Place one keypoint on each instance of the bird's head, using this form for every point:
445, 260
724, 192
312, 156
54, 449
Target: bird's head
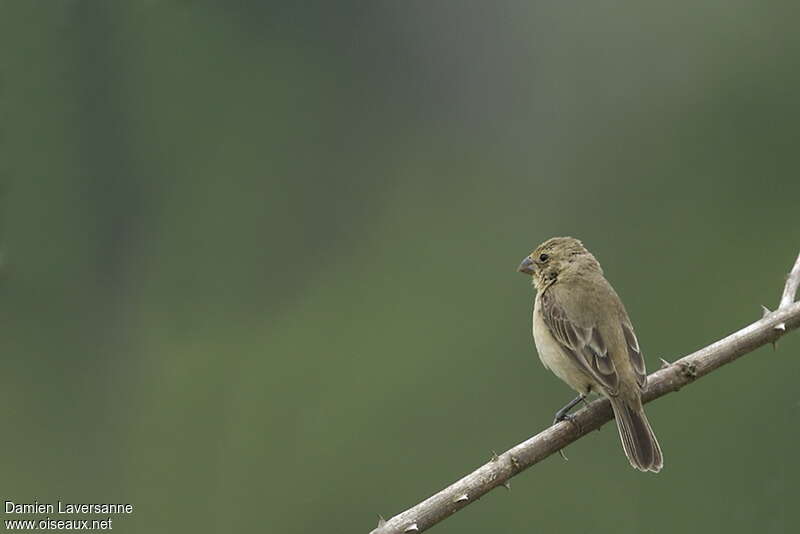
555, 257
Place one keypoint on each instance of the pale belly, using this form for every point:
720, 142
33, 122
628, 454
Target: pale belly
553, 357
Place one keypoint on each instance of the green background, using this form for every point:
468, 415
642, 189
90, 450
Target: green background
258, 260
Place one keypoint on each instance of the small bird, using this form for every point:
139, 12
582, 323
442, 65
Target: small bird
583, 335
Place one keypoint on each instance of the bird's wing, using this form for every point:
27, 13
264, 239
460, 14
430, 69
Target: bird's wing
584, 345
634, 353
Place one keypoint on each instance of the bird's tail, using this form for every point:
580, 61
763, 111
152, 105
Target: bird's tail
640, 444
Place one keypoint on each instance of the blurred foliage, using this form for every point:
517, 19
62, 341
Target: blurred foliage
259, 259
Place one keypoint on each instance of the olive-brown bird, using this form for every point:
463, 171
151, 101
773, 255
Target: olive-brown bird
583, 334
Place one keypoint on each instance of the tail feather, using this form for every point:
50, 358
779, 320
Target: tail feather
640, 444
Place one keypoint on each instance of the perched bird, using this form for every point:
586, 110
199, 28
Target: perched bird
583, 335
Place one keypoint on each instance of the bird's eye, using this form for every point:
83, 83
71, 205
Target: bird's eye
543, 257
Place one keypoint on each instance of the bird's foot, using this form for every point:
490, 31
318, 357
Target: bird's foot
563, 417
571, 419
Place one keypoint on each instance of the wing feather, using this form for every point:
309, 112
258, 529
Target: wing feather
635, 354
584, 345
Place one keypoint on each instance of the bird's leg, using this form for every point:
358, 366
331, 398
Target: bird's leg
563, 413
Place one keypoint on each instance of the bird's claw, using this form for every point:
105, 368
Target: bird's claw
563, 417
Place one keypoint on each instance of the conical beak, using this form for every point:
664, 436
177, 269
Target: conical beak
526, 266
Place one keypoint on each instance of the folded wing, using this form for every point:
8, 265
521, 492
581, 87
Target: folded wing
584, 345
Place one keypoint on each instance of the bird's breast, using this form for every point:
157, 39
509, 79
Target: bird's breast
553, 357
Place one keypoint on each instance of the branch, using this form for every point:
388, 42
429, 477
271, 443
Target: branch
792, 282
670, 378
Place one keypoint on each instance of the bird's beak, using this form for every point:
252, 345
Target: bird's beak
526, 266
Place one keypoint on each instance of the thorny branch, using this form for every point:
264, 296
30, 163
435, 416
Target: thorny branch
671, 377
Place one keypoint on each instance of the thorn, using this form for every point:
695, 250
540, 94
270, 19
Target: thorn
664, 363
780, 327
494, 457
766, 311
563, 455
507, 485
381, 521
462, 497
412, 528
